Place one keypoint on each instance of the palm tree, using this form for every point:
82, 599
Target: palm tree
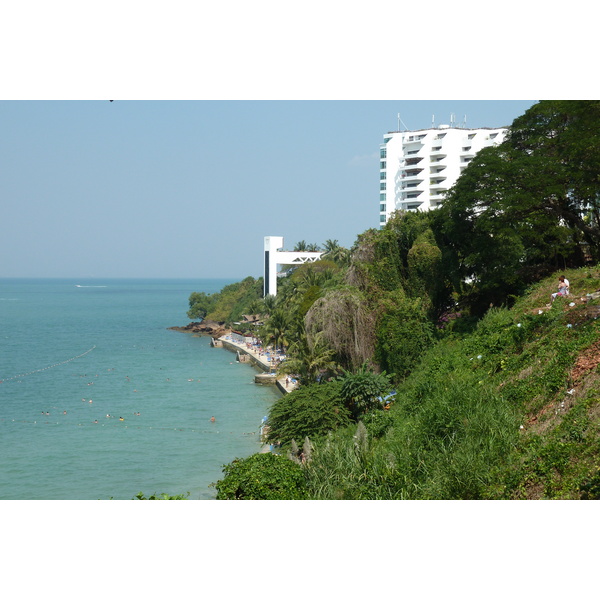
269, 302
309, 360
301, 246
335, 252
330, 246
276, 328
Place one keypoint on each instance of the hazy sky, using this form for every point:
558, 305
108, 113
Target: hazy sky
190, 188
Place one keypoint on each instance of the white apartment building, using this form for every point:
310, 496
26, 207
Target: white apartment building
417, 168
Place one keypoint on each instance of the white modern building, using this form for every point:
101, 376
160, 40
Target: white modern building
417, 168
275, 257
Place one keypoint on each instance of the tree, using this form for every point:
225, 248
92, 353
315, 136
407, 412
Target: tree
527, 207
343, 319
263, 476
335, 252
200, 304
227, 305
309, 411
310, 360
276, 328
403, 334
361, 390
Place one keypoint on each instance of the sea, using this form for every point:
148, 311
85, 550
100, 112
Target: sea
100, 400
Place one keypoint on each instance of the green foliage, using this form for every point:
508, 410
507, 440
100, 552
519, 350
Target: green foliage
403, 333
343, 317
155, 496
262, 477
201, 304
310, 411
523, 209
348, 467
310, 359
276, 329
361, 391
229, 304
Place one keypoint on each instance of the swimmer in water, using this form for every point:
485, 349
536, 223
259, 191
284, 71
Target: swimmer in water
212, 419
121, 419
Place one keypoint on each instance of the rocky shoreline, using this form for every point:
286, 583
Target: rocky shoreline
206, 327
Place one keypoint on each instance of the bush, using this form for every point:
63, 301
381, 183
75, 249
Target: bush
262, 477
310, 411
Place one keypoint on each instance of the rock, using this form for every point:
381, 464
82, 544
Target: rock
213, 328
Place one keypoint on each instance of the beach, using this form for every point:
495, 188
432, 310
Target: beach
265, 359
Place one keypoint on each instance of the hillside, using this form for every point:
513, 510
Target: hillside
553, 377
509, 410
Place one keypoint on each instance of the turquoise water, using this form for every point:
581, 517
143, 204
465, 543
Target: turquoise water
64, 343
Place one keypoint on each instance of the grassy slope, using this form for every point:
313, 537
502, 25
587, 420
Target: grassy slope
509, 411
555, 383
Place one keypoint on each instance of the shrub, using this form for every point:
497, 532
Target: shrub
310, 411
262, 477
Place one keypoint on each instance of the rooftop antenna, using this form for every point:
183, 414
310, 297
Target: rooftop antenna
400, 121
465, 122
432, 121
452, 119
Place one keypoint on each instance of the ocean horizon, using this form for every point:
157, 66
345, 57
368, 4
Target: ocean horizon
100, 399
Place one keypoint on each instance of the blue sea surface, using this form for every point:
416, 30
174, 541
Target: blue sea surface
73, 352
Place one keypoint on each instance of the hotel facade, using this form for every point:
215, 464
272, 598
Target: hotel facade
417, 168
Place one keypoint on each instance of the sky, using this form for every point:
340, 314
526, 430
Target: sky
189, 189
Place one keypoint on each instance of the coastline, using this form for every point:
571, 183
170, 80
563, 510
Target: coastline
259, 358
245, 348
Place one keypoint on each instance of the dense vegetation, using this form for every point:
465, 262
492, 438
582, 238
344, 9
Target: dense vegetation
495, 393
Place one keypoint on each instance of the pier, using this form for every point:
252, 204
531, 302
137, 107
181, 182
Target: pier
264, 359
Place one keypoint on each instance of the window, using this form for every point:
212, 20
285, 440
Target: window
382, 164
382, 208
382, 218
382, 186
382, 175
381, 197
383, 153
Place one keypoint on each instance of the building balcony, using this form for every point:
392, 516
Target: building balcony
437, 195
438, 153
411, 178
